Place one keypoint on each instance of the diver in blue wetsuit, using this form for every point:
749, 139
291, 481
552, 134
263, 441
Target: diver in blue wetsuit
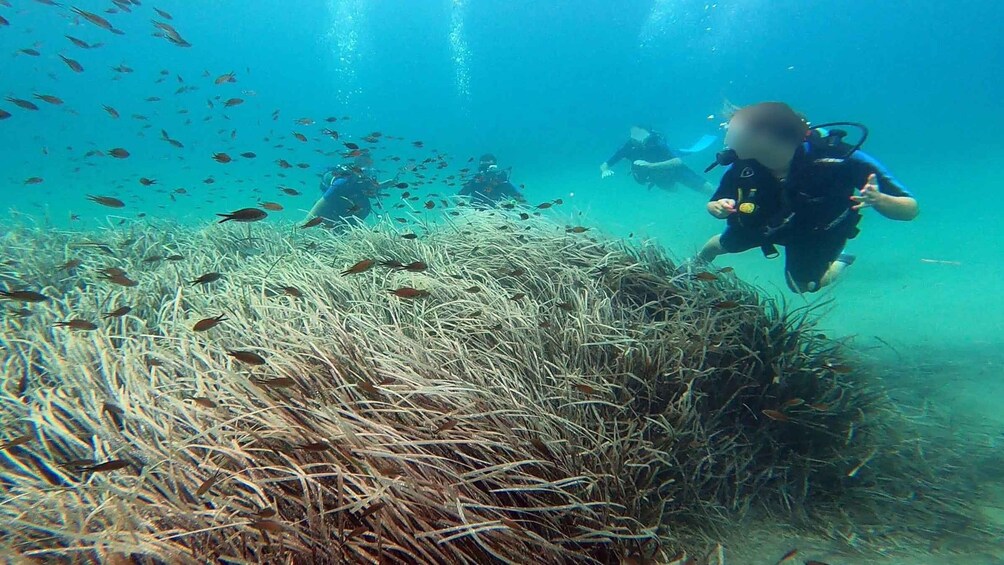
490, 185
347, 193
798, 187
653, 163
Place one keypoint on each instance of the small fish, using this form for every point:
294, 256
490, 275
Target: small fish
566, 306
222, 158
576, 229
409, 236
23, 296
446, 426
415, 267
70, 265
93, 18
290, 191
268, 526
33, 180
204, 402
77, 324
147, 182
248, 357
279, 382
410, 293
814, 562
23, 104
585, 389
78, 42
229, 77
292, 291
518, 296
544, 206
792, 403
726, 305
113, 465
48, 98
787, 557
233, 102
4, 114
244, 215
208, 483
401, 185
106, 201
299, 136
315, 221
121, 280
839, 368
74, 66
706, 276
118, 153
473, 289
207, 278
118, 312
10, 444
775, 415
209, 323
248, 155
430, 205
271, 206
360, 267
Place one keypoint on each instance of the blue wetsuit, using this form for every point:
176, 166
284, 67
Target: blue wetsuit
347, 195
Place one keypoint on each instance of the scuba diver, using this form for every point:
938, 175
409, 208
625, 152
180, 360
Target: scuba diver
799, 187
346, 192
490, 185
653, 163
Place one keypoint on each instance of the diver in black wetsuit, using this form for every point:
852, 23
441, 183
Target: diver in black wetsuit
490, 185
798, 187
653, 162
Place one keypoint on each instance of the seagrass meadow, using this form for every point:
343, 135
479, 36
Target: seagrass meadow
495, 389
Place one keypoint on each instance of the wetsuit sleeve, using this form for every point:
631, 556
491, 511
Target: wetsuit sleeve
621, 153
888, 184
726, 189
333, 187
468, 188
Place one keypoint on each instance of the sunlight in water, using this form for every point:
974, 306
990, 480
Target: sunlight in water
347, 19
459, 50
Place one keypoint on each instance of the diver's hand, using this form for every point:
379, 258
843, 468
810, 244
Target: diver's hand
604, 173
869, 194
642, 163
723, 208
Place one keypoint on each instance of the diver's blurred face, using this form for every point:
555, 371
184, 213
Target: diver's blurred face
753, 141
639, 135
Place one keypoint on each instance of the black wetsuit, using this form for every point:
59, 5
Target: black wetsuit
809, 213
655, 150
488, 188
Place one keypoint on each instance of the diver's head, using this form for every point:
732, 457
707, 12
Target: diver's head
363, 161
768, 132
640, 134
487, 162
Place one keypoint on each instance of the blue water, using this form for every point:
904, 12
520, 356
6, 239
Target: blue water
550, 88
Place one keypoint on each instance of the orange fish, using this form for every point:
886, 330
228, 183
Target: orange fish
775, 415
408, 292
222, 158
360, 267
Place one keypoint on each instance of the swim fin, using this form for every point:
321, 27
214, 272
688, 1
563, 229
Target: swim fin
701, 145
